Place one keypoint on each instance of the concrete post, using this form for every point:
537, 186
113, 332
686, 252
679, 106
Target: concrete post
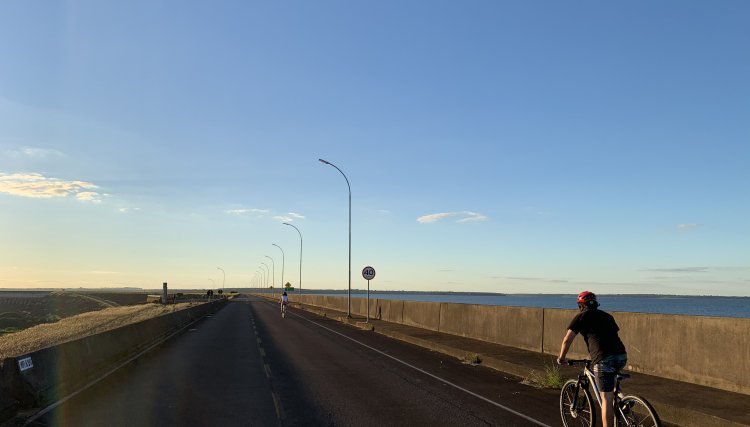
164, 293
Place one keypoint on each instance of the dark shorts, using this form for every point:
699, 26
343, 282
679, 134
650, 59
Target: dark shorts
606, 371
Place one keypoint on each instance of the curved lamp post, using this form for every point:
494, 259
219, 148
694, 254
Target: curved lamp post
273, 274
300, 256
267, 273
349, 297
282, 265
224, 279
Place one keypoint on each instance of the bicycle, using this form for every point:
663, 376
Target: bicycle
283, 310
577, 409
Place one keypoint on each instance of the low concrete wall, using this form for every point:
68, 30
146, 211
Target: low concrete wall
710, 351
519, 327
59, 370
422, 315
391, 310
713, 351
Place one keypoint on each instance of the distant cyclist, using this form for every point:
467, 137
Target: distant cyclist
607, 351
284, 302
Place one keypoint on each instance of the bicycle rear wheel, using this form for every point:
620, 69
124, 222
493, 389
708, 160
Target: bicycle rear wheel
583, 414
637, 412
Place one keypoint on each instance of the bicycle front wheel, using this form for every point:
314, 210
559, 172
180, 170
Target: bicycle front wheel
576, 406
637, 412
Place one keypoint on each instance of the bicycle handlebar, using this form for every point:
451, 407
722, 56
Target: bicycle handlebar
579, 362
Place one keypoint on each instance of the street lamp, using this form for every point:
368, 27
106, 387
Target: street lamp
268, 273
300, 256
212, 281
349, 298
282, 265
224, 279
273, 274
254, 280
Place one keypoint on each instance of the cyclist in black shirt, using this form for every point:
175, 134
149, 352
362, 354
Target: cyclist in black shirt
607, 352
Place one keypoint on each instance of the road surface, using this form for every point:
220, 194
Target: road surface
246, 366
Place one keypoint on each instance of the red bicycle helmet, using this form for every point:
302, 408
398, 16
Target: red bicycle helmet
587, 299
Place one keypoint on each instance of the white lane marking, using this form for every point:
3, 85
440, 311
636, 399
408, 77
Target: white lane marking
499, 405
277, 405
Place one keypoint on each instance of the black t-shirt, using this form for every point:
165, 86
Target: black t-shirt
599, 330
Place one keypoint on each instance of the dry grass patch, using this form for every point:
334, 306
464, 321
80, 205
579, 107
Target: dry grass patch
550, 378
82, 325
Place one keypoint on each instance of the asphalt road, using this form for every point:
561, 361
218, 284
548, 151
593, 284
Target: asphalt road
248, 366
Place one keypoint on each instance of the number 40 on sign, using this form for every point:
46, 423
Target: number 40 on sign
368, 273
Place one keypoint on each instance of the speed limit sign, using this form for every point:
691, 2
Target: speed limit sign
368, 273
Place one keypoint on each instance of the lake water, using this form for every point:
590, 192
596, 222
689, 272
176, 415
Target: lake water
664, 304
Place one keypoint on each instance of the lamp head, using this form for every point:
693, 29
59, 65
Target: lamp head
323, 161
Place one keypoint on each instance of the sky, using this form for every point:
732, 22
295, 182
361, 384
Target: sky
493, 146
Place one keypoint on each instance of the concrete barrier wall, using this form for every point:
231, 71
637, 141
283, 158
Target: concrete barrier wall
710, 351
391, 310
59, 370
519, 327
422, 315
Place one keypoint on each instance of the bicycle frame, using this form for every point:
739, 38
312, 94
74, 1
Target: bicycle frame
592, 380
584, 379
587, 377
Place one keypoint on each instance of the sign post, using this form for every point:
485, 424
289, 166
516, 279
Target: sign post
368, 273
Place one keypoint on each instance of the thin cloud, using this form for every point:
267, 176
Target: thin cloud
36, 185
473, 217
239, 212
282, 218
34, 152
688, 227
40, 152
463, 216
677, 270
126, 210
296, 215
89, 196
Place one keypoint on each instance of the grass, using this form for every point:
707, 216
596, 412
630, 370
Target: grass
79, 326
550, 378
472, 358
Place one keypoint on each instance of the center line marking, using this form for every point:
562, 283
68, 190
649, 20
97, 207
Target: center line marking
277, 405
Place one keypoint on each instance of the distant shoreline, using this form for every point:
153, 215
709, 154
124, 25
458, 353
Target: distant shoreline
353, 291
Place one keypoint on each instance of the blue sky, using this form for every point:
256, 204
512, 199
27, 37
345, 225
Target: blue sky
539, 147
